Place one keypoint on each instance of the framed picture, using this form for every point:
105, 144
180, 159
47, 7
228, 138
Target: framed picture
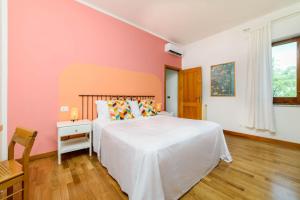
222, 82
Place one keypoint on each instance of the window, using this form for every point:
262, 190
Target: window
286, 71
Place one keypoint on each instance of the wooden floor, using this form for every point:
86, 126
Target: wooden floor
259, 171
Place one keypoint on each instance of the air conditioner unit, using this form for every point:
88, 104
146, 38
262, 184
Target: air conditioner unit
173, 49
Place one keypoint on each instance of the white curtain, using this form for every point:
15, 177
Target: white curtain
259, 113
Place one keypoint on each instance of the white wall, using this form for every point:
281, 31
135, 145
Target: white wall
172, 91
231, 45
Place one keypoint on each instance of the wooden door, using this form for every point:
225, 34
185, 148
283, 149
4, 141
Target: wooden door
190, 93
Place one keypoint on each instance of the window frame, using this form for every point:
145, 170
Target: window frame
290, 100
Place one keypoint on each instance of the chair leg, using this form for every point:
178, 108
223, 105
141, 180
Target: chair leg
22, 189
10, 191
26, 189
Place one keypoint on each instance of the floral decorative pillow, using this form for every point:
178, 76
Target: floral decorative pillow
147, 108
119, 110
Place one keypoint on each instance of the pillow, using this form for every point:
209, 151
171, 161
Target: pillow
147, 108
119, 110
134, 108
102, 110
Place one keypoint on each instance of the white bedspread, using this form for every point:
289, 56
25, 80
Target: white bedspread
160, 157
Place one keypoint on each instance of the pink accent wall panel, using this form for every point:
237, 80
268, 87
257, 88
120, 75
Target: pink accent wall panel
47, 37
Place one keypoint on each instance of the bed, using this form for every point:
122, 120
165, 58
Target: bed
159, 157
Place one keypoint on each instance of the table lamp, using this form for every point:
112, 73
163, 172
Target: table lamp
74, 114
158, 107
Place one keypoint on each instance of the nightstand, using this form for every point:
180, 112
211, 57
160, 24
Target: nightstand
69, 128
165, 113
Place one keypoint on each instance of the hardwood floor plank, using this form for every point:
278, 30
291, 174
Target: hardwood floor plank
258, 171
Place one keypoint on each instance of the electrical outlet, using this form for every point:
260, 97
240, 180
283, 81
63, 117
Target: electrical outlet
64, 109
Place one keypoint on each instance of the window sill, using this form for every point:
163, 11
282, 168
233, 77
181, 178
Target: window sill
286, 105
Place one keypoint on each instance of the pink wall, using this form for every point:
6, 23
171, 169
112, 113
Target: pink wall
48, 36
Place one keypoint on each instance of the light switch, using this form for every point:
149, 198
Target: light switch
64, 109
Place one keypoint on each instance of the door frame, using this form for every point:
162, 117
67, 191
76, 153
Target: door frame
4, 75
169, 67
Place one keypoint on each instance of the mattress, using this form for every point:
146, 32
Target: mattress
160, 157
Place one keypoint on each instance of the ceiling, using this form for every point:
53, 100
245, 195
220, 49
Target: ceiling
186, 21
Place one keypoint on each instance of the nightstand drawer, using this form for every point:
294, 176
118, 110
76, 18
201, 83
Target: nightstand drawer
69, 130
171, 114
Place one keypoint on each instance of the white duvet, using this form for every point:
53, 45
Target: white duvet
159, 158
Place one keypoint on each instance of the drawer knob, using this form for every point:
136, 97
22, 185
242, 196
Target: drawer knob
76, 130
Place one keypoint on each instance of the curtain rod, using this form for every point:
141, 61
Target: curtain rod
285, 16
276, 19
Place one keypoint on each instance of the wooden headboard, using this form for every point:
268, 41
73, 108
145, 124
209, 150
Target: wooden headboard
88, 106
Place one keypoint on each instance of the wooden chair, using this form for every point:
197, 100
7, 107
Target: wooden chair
11, 171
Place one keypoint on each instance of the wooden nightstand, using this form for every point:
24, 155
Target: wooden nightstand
69, 128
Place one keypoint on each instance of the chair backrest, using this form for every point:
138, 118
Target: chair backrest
24, 137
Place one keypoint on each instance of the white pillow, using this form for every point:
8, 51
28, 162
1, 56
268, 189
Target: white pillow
134, 108
102, 110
